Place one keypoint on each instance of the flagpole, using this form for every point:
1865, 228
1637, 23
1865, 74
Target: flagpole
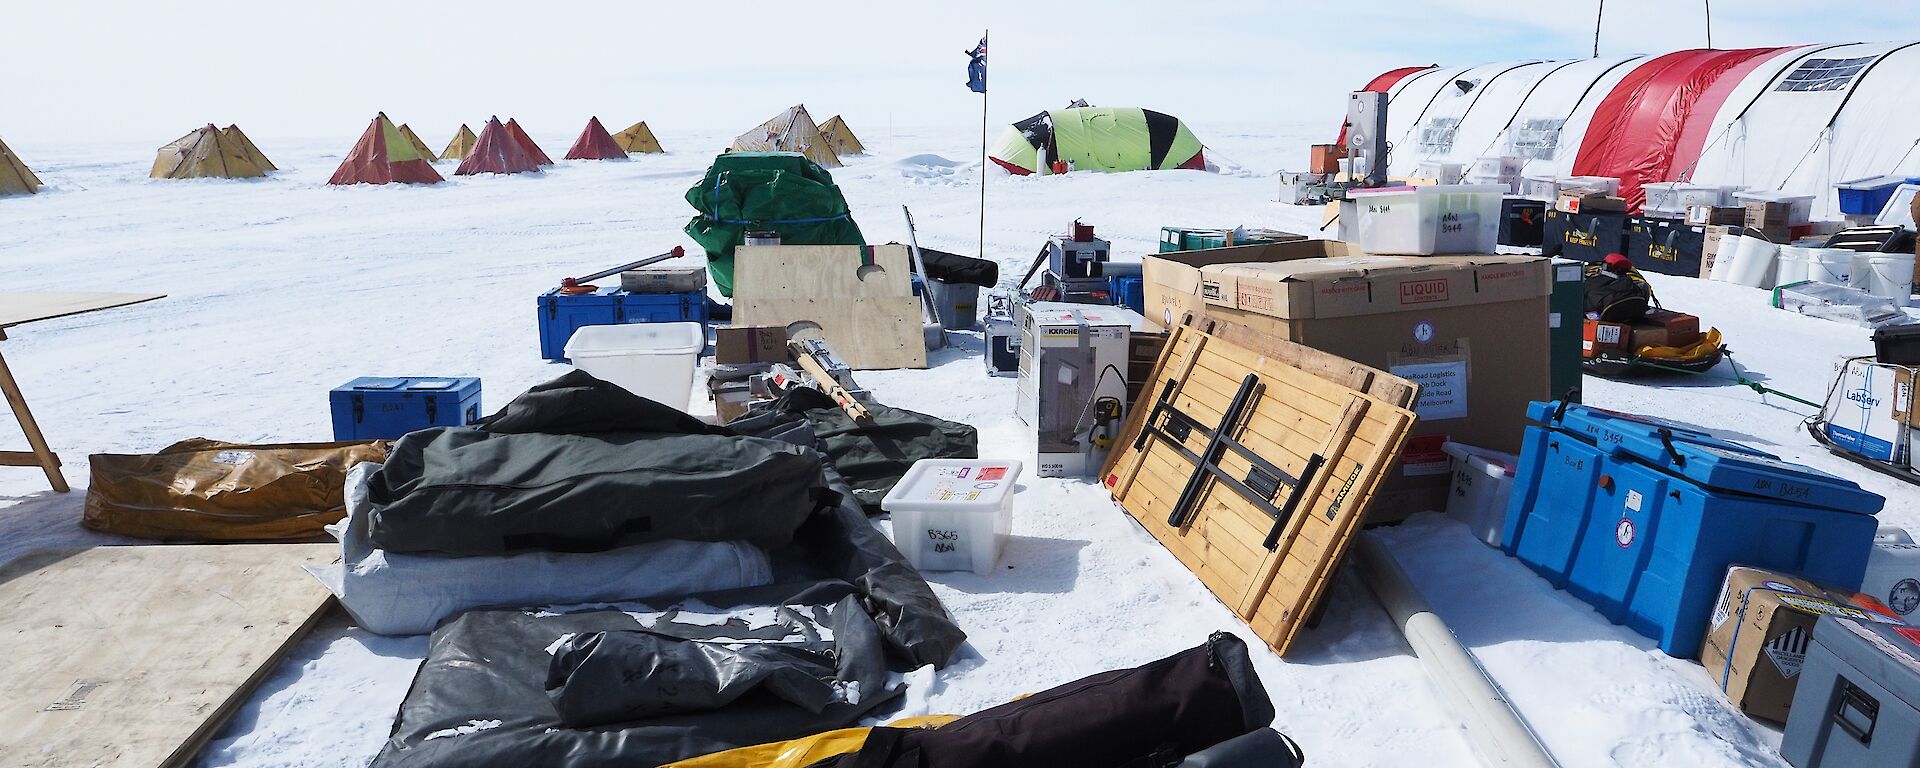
983, 157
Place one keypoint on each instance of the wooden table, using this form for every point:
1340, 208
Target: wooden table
17, 307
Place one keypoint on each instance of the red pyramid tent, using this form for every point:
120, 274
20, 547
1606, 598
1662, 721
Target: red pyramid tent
526, 142
596, 144
384, 156
496, 151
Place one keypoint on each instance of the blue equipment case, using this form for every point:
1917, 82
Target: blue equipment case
561, 314
1641, 518
386, 407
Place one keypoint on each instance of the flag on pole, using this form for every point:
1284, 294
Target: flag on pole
977, 67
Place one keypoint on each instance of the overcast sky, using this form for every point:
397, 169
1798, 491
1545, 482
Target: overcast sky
150, 71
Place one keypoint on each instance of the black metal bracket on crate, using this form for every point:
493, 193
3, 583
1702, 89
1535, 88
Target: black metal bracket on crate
1263, 481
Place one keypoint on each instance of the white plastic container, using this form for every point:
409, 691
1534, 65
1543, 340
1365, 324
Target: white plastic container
1443, 172
1860, 274
1542, 187
1790, 266
652, 360
1891, 277
953, 514
1675, 196
1800, 210
1899, 209
1750, 264
1423, 221
1829, 265
1482, 481
1601, 185
1498, 166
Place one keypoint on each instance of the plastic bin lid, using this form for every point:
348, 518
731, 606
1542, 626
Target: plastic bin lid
637, 339
1874, 182
410, 383
1879, 648
953, 484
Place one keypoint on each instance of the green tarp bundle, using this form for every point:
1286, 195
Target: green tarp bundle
780, 192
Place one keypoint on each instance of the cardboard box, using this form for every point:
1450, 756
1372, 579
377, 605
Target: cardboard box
1325, 158
1864, 411
1072, 356
1715, 215
1710, 245
738, 344
1597, 336
1760, 630
1470, 329
1666, 328
1762, 215
1589, 202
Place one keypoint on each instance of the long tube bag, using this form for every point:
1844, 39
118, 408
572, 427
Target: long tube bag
1151, 716
208, 490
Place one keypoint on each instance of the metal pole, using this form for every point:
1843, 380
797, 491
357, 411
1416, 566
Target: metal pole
983, 154
1709, 4
1602, 11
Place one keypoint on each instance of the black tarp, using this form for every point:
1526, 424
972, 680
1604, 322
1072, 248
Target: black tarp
580, 465
955, 268
873, 455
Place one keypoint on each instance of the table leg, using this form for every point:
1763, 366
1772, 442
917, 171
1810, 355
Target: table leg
41, 455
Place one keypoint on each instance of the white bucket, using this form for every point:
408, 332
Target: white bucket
1791, 265
652, 360
1752, 262
1860, 273
1829, 265
1892, 276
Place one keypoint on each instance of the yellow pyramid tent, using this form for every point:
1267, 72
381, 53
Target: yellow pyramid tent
461, 145
15, 177
418, 145
793, 131
233, 133
841, 138
203, 153
637, 138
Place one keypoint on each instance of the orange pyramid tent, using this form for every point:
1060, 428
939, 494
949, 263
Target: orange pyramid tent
418, 145
496, 151
461, 144
526, 142
638, 138
596, 144
239, 138
383, 156
15, 177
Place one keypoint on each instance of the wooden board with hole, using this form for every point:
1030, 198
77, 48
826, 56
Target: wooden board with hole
1292, 421
136, 656
862, 297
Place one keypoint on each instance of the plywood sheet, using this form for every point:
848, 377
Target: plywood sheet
18, 307
135, 656
1295, 417
862, 297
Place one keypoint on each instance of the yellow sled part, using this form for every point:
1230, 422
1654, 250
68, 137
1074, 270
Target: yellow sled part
1708, 344
802, 752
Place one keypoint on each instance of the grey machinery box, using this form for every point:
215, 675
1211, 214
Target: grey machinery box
1858, 703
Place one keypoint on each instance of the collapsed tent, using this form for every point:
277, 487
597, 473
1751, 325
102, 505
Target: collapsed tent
384, 156
233, 134
638, 138
1795, 119
595, 144
15, 177
414, 139
526, 142
461, 144
780, 192
841, 138
207, 490
204, 154
790, 131
495, 151
1098, 139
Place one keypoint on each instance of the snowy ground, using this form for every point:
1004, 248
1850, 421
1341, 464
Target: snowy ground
280, 289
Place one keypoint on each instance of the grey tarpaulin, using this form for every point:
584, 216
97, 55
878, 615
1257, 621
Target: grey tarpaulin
580, 465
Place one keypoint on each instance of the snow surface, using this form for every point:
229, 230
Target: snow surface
282, 288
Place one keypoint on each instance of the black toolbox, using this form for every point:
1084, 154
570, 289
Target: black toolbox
1897, 344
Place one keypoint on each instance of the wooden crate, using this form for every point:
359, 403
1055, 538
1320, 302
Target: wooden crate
1315, 449
1143, 351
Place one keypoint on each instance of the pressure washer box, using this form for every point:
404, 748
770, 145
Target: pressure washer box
1762, 624
1641, 518
1073, 361
561, 314
386, 407
1858, 704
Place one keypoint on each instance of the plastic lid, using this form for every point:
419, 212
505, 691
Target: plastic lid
951, 483
637, 339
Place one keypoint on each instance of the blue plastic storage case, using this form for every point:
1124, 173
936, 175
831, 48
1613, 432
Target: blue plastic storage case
386, 407
1641, 518
561, 314
1866, 197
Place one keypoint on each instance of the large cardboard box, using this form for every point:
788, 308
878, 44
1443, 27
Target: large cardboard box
1073, 360
1471, 330
1760, 630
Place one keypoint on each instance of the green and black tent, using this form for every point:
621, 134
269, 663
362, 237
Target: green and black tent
1099, 139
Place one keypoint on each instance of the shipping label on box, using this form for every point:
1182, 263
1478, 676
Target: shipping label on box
1860, 412
1761, 628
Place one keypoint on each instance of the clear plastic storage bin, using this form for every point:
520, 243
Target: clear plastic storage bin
953, 514
652, 360
1800, 212
1423, 221
1676, 196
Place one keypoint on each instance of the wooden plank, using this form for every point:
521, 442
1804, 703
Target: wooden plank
867, 310
18, 307
43, 455
1326, 365
135, 656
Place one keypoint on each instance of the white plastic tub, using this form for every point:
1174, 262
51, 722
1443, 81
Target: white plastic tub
1443, 172
1543, 187
1482, 482
1601, 185
1830, 265
1676, 196
1800, 210
1791, 266
1422, 221
1749, 264
1891, 277
1498, 166
652, 360
953, 514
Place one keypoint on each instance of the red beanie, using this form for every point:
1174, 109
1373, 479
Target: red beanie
1618, 263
